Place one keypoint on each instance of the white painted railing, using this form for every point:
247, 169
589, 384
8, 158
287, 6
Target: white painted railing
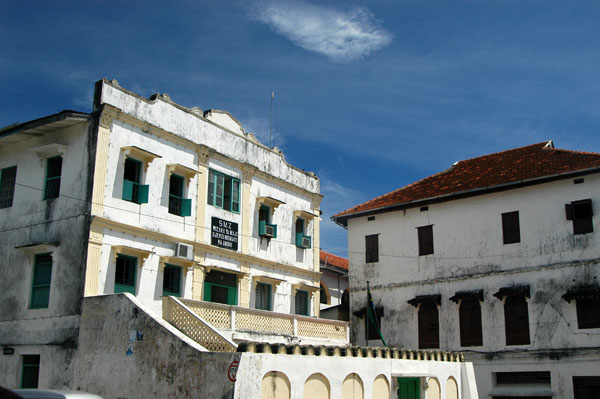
184, 319
235, 318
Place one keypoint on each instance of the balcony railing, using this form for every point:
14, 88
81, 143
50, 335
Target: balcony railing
194, 327
235, 318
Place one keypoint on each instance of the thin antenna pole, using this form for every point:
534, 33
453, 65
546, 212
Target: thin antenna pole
271, 122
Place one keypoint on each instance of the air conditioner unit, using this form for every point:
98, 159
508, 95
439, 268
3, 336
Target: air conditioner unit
269, 231
306, 242
184, 251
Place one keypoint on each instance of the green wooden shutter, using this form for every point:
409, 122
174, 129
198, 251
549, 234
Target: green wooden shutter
274, 230
127, 190
232, 295
219, 190
186, 207
42, 276
235, 195
207, 291
143, 193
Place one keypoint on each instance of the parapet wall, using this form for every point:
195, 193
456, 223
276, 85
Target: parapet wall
125, 351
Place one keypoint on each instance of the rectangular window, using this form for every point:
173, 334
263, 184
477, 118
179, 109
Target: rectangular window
429, 326
301, 303
265, 228
30, 372
223, 191
7, 186
53, 173
42, 276
263, 296
125, 271
586, 387
178, 205
510, 227
470, 322
523, 377
372, 248
172, 280
302, 240
133, 190
588, 313
516, 319
220, 287
581, 213
425, 235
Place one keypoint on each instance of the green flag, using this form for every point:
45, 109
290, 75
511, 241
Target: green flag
372, 315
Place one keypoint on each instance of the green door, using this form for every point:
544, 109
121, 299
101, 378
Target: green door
409, 388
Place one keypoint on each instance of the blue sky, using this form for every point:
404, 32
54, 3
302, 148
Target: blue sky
370, 95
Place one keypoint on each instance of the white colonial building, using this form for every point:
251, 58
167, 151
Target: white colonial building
209, 238
497, 257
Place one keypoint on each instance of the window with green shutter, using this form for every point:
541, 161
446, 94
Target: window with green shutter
8, 179
265, 228
53, 173
302, 240
220, 287
30, 372
172, 280
223, 191
42, 276
133, 190
263, 296
125, 271
301, 303
178, 205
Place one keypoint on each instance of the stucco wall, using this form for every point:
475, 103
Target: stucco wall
298, 369
126, 351
469, 254
50, 332
182, 122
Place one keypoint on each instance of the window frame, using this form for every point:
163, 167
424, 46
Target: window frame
426, 313
372, 248
511, 228
119, 287
268, 289
265, 221
169, 269
301, 226
471, 331
219, 181
30, 362
7, 186
48, 180
588, 313
425, 239
36, 287
516, 320
133, 190
232, 289
306, 302
582, 218
178, 204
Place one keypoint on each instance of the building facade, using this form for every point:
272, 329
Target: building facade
497, 257
334, 284
147, 197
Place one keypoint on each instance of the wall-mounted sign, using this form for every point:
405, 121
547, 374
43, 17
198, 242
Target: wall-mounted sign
224, 234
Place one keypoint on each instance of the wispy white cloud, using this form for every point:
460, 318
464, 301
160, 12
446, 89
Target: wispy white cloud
340, 34
260, 128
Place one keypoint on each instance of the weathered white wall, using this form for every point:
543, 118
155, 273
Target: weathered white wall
469, 254
113, 363
155, 214
182, 122
298, 368
50, 332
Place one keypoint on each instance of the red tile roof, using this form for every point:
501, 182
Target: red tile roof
329, 259
507, 168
